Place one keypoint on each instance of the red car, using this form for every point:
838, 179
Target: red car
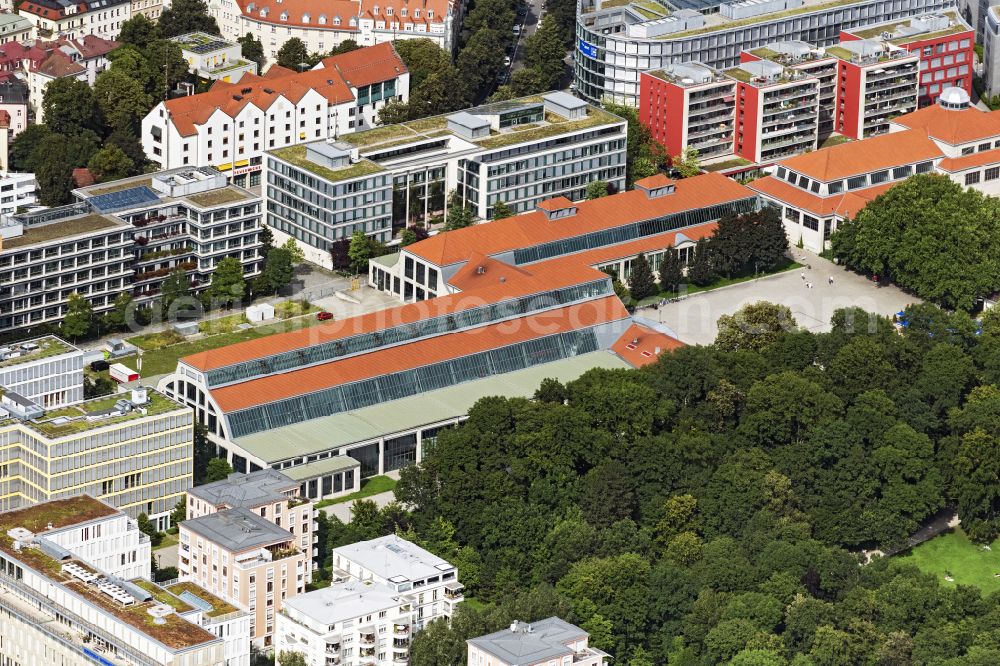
324, 316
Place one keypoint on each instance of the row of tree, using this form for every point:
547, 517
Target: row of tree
710, 508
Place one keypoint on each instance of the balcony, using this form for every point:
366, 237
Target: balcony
453, 591
706, 112
401, 630
366, 640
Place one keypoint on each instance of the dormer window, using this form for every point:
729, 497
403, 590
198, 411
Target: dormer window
430, 13
402, 12
354, 22
336, 20
388, 11
375, 10
284, 16
305, 18
322, 19
263, 12
416, 13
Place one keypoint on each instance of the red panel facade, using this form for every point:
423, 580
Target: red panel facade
847, 120
747, 121
663, 109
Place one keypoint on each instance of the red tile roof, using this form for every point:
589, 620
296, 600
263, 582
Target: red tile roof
987, 157
557, 203
641, 345
953, 126
530, 229
490, 289
858, 157
82, 177
655, 181
58, 65
363, 67
848, 204
189, 112
416, 354
481, 271
297, 11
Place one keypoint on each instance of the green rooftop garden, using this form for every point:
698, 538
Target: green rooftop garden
297, 155
73, 226
59, 513
595, 117
158, 404
49, 346
219, 607
377, 135
728, 164
163, 596
217, 197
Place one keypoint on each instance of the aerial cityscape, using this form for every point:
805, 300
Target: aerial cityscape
500, 333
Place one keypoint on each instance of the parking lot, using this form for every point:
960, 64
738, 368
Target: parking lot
694, 319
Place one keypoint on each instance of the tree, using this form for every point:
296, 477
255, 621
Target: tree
597, 189
671, 271
54, 176
110, 163
291, 659
686, 163
700, 270
295, 253
545, 53
175, 286
179, 514
69, 106
459, 216
411, 235
166, 67
184, 16
218, 469
489, 15
138, 31
345, 46
527, 81
924, 229
359, 252
79, 317
147, 527
118, 317
422, 58
443, 91
393, 113
122, 100
340, 255
754, 326
278, 270
227, 286
253, 50
641, 282
501, 210
977, 469
292, 54
23, 147
129, 144
551, 390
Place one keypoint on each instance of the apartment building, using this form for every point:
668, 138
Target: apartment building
151, 9
75, 587
617, 42
817, 191
132, 451
543, 643
384, 179
944, 42
232, 125
58, 18
17, 190
428, 584
66, 57
14, 100
324, 25
250, 540
124, 235
214, 59
47, 371
13, 28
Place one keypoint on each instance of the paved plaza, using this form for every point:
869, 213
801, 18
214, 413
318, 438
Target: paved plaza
694, 318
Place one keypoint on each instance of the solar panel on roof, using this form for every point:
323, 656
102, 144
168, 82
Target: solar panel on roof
123, 199
207, 47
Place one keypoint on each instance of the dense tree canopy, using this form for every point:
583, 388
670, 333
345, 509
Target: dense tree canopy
930, 236
711, 508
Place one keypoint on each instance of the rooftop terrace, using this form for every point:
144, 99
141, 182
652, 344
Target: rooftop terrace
47, 346
73, 420
296, 155
219, 607
875, 31
219, 197
74, 226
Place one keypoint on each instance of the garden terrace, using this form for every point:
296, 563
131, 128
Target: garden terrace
163, 596
297, 155
52, 424
74, 226
47, 346
223, 195
219, 607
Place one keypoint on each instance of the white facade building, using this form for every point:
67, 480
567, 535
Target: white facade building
547, 642
427, 582
210, 57
349, 623
232, 125
55, 18
16, 190
47, 371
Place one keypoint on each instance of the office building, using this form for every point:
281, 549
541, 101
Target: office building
817, 191
519, 152
75, 587
349, 623
47, 371
126, 235
233, 124
132, 451
55, 18
214, 59
543, 643
505, 304
991, 51
944, 42
324, 26
250, 540
618, 41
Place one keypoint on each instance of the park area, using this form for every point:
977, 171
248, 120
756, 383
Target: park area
953, 556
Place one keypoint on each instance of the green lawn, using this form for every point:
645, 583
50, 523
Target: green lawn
369, 487
952, 553
787, 265
167, 541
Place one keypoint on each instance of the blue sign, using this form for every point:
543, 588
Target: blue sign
588, 49
96, 657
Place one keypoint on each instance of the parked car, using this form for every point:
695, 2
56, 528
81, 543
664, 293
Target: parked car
517, 29
324, 316
506, 61
99, 366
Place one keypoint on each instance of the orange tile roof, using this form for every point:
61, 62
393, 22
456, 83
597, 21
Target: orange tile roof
440, 8
276, 71
953, 126
556, 203
984, 158
490, 289
641, 345
857, 157
188, 112
297, 10
530, 229
363, 67
481, 271
416, 354
655, 181
847, 204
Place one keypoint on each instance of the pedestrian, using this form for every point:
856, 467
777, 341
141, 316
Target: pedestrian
803, 275
830, 279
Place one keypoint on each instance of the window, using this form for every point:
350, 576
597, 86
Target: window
972, 178
992, 173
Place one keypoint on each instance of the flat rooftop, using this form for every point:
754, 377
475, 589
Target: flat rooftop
48, 346
72, 420
251, 490
344, 601
394, 559
67, 228
59, 513
530, 642
296, 155
238, 530
218, 607
317, 435
875, 30
201, 42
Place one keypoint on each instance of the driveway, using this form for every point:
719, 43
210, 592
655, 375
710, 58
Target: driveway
694, 318
343, 510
